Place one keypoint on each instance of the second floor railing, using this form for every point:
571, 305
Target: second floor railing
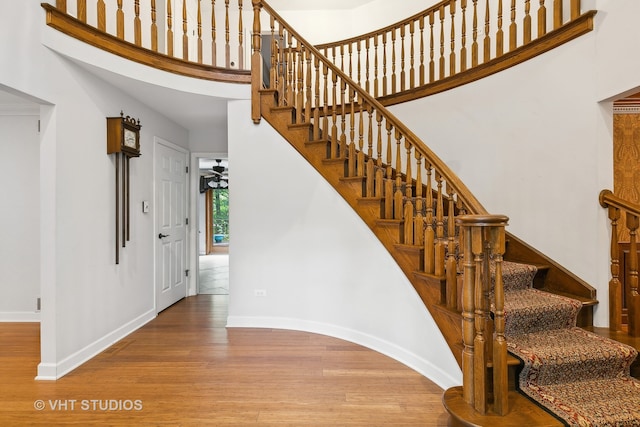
443, 43
624, 291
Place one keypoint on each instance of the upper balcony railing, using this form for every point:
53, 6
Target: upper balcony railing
199, 38
455, 42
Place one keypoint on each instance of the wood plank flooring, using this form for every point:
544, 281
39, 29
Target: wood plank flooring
186, 369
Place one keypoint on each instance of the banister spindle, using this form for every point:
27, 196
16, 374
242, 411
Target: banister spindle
487, 37
101, 17
137, 24
393, 60
384, 64
402, 56
61, 5
439, 244
422, 69
412, 71
500, 372
615, 287
375, 66
474, 44
169, 29
240, 38
120, 21
526, 25
325, 104
273, 75
316, 97
463, 48
256, 63
199, 43
214, 57
513, 27
499, 32
388, 183
359, 62
575, 9
335, 145
227, 46
154, 27
429, 232
418, 227
397, 196
441, 63
632, 291
185, 32
451, 269
299, 107
308, 114
367, 85
82, 10
452, 54
542, 19
557, 13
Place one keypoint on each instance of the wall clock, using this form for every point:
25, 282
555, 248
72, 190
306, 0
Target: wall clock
123, 135
123, 140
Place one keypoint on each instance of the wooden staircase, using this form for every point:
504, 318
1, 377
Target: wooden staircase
431, 287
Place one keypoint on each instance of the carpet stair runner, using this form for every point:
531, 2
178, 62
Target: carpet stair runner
581, 378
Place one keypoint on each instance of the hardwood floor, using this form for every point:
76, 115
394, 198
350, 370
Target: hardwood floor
186, 369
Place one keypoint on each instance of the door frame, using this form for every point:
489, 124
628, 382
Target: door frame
160, 141
194, 213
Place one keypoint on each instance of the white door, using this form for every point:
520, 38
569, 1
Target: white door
171, 227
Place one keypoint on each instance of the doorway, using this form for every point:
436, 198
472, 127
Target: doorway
213, 259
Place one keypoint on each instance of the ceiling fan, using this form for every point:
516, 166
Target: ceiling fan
217, 178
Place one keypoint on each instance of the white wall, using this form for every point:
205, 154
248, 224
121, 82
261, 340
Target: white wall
19, 214
323, 270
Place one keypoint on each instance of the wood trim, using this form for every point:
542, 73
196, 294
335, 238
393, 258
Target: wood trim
208, 217
87, 34
551, 40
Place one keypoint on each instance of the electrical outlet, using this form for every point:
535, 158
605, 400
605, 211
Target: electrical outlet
260, 292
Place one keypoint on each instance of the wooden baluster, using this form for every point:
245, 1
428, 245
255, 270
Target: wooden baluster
412, 71
499, 33
379, 140
474, 44
408, 217
615, 287
351, 60
526, 25
480, 343
500, 370
137, 29
397, 196
393, 60
452, 55
439, 245
361, 162
557, 14
120, 21
451, 270
357, 165
300, 118
227, 47
429, 232
240, 38
343, 122
487, 37
370, 188
513, 28
101, 16
388, 183
422, 69
273, 72
384, 64
199, 19
185, 32
289, 89
359, 63
283, 66
633, 298
418, 223
61, 5
325, 106
316, 106
379, 175
432, 64
402, 55
335, 146
463, 49
256, 63
542, 19
82, 10
441, 63
468, 315
375, 66
575, 9
214, 57
352, 133
169, 29
367, 86
342, 58
309, 92
408, 172
154, 27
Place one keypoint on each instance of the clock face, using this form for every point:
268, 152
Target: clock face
130, 139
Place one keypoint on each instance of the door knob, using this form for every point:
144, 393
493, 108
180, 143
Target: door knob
160, 236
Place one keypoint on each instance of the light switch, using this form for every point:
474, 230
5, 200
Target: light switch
145, 206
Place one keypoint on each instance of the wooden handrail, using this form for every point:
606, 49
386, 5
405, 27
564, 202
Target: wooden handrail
452, 43
619, 295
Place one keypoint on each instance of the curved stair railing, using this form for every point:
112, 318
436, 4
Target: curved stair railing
206, 43
454, 42
623, 295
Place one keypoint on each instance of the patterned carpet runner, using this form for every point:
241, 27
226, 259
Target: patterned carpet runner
578, 376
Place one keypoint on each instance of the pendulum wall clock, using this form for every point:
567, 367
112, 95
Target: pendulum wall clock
123, 140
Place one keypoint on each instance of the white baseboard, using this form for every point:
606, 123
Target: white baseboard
407, 358
19, 316
49, 371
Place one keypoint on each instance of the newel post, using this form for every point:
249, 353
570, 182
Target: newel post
256, 64
483, 245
